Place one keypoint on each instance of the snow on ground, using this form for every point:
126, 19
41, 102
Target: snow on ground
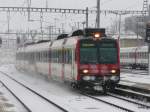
58, 92
7, 56
28, 97
135, 78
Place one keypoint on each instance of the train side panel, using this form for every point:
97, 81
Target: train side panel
134, 57
70, 65
56, 61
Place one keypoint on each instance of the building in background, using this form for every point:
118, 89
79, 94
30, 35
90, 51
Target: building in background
130, 40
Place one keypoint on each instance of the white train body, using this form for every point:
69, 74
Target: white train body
135, 57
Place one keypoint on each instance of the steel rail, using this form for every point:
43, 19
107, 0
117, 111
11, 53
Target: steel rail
46, 99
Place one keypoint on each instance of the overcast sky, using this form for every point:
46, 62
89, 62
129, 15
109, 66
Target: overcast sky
105, 4
19, 20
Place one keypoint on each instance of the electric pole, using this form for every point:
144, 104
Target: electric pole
8, 26
87, 17
29, 6
98, 13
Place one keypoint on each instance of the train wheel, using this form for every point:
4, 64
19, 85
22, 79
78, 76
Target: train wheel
112, 88
104, 91
74, 86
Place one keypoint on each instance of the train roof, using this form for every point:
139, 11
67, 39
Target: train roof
62, 36
37, 47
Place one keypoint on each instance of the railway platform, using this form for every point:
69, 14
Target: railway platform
138, 82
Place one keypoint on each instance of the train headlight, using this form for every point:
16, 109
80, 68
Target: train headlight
113, 71
85, 71
97, 35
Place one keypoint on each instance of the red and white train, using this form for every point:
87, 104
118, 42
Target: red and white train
134, 57
86, 59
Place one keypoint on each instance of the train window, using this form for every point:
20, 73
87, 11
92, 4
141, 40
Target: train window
65, 56
40, 56
49, 55
61, 61
70, 56
146, 55
133, 55
59, 56
142, 55
120, 55
54, 56
139, 55
66, 60
129, 55
42, 53
45, 56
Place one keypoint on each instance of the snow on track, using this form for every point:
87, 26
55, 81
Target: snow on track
28, 97
63, 95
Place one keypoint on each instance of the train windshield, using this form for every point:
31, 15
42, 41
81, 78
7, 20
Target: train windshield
98, 52
107, 53
88, 55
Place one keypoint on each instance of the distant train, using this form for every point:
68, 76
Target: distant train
134, 57
86, 59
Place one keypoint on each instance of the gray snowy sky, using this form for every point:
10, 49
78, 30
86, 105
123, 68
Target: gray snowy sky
105, 4
19, 21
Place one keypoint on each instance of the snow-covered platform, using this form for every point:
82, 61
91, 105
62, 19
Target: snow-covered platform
136, 80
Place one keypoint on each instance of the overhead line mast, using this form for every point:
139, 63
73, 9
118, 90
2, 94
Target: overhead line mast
98, 14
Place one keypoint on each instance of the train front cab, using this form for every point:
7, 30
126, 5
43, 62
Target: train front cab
98, 64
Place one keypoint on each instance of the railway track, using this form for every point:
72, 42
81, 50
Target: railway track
127, 105
43, 100
24, 105
101, 99
129, 100
140, 72
132, 92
